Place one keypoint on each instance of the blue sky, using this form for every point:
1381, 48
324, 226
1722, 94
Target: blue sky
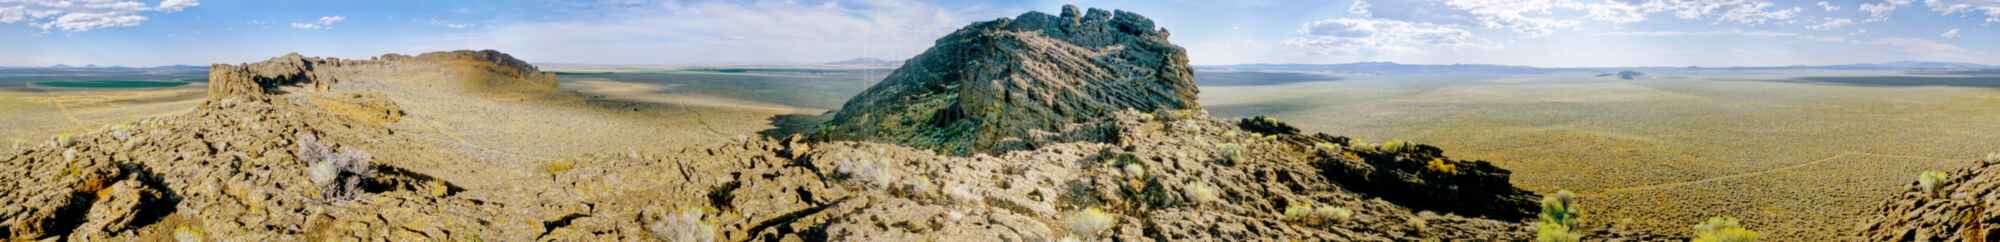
1550, 33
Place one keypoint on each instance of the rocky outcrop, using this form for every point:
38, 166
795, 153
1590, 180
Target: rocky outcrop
1004, 78
254, 80
1963, 206
236, 168
257, 80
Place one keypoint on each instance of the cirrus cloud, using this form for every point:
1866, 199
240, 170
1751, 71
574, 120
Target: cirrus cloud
324, 22
1370, 37
84, 15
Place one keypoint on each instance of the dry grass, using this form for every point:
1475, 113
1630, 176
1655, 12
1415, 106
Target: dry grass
1708, 147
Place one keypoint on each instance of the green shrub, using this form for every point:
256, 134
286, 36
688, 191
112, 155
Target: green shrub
1316, 214
63, 140
1298, 212
1558, 219
1135, 170
1929, 181
1330, 213
185, 233
1090, 222
1395, 146
1234, 153
1723, 229
1441, 166
1326, 148
1202, 193
686, 225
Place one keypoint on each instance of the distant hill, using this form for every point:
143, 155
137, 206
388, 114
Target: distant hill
866, 61
1489, 69
1385, 68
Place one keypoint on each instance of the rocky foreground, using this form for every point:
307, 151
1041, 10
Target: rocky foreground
1077, 127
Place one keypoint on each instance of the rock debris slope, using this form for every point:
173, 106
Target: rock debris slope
1963, 206
274, 154
1004, 78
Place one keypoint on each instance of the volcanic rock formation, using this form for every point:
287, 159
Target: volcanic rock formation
1004, 78
1963, 206
255, 80
1053, 127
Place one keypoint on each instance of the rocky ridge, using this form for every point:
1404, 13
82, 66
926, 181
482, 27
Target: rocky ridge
255, 80
1964, 205
1004, 78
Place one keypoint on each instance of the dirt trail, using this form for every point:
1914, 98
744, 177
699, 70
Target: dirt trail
1747, 174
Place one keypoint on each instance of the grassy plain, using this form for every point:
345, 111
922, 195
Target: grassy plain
1795, 156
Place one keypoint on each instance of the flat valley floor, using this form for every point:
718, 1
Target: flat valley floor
1796, 157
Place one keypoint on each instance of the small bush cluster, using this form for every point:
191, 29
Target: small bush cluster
558, 166
1311, 214
1089, 223
62, 140
1234, 153
1202, 193
1723, 229
185, 233
1441, 166
868, 171
1395, 146
338, 174
683, 226
1558, 220
1929, 180
1326, 148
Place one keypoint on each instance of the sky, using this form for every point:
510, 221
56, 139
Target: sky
1545, 33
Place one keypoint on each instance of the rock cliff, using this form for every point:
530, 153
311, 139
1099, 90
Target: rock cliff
1001, 79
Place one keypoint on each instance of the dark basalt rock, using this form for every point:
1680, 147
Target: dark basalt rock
1421, 177
1965, 206
1266, 125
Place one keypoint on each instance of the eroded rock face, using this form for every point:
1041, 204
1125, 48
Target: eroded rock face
1004, 78
260, 79
1965, 206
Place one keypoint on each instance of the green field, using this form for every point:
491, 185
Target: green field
109, 84
1800, 155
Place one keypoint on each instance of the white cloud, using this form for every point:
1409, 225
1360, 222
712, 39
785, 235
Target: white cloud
83, 15
1615, 12
79, 22
325, 22
1832, 24
177, 5
1878, 12
1732, 33
1532, 17
1542, 17
1370, 37
1989, 8
1926, 49
1360, 8
1829, 7
449, 24
1950, 34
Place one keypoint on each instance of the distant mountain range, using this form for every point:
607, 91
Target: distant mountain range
1395, 68
865, 61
